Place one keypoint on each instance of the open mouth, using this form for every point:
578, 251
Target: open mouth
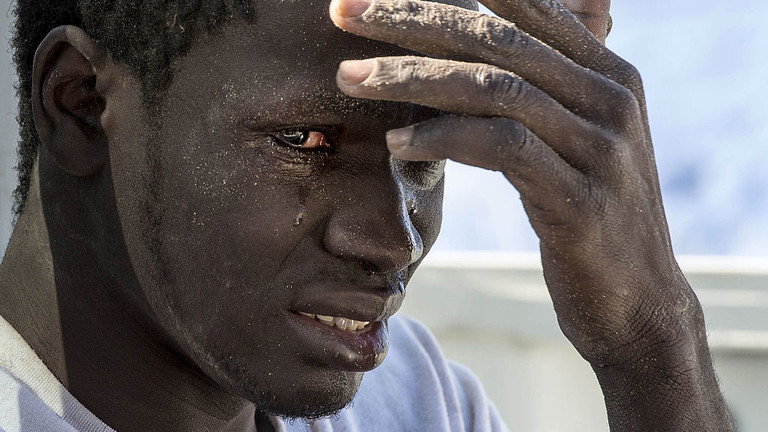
343, 343
345, 324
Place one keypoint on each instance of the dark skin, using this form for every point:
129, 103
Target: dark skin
181, 248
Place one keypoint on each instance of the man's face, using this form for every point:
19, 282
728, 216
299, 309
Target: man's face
264, 196
271, 195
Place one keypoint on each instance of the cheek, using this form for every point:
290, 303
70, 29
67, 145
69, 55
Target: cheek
224, 237
226, 214
223, 226
129, 150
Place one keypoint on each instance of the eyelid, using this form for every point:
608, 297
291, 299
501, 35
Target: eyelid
268, 128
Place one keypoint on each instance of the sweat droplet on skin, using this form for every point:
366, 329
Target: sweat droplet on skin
411, 205
299, 217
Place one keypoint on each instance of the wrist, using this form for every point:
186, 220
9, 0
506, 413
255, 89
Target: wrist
665, 379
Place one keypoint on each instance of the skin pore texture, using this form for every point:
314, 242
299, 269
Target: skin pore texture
183, 246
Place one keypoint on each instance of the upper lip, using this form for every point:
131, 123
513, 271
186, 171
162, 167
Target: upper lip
370, 304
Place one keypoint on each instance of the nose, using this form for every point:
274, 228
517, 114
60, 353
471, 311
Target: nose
376, 230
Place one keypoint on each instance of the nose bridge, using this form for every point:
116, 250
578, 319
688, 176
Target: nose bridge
374, 226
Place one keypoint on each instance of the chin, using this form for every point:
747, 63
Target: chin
308, 406
309, 394
305, 400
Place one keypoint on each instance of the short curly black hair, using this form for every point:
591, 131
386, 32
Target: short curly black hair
146, 35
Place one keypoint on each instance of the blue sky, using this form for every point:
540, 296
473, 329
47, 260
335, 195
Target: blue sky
706, 74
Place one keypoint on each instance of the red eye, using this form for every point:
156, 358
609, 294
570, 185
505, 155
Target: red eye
303, 139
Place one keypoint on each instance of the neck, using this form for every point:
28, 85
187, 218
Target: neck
54, 294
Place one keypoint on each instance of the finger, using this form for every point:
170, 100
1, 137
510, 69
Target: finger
553, 24
471, 89
543, 178
459, 34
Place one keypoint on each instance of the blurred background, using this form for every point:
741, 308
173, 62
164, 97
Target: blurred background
705, 68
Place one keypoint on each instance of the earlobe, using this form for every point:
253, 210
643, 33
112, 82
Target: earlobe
66, 105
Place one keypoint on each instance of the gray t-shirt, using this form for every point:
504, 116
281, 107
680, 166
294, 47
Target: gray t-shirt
415, 389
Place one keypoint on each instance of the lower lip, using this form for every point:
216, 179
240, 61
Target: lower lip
358, 351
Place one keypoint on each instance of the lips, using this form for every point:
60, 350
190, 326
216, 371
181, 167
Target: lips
351, 351
345, 329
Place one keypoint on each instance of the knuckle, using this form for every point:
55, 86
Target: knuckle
623, 97
517, 151
630, 75
402, 73
624, 105
603, 153
626, 75
607, 144
500, 38
406, 70
503, 90
618, 69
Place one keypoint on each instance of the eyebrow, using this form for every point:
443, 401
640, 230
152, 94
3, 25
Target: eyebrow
318, 105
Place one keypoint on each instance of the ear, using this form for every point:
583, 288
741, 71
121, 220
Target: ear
66, 105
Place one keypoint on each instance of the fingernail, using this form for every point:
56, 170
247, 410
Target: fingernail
354, 72
352, 8
397, 139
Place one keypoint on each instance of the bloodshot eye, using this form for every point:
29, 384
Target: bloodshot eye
304, 139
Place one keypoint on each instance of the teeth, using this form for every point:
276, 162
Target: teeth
345, 324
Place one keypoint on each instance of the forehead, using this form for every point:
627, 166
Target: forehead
300, 31
276, 71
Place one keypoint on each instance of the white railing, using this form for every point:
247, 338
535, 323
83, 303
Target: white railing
491, 311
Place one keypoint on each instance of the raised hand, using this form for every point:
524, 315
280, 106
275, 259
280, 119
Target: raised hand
540, 99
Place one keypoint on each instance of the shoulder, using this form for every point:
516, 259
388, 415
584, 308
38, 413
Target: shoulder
407, 334
21, 409
31, 398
